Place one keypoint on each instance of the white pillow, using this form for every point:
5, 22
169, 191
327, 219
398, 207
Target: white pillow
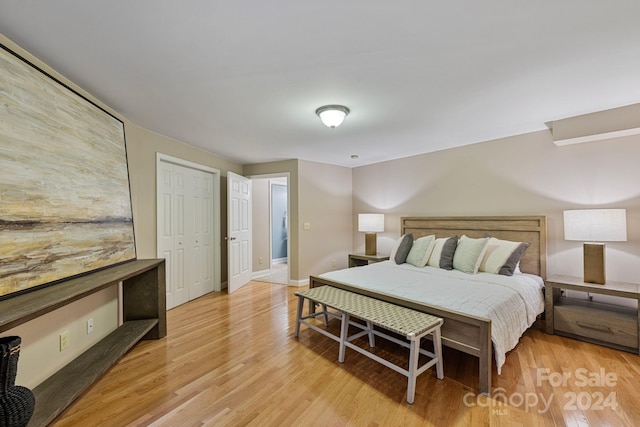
392, 255
442, 253
469, 254
421, 250
401, 249
503, 256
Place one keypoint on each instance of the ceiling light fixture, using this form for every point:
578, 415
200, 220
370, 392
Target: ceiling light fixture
332, 115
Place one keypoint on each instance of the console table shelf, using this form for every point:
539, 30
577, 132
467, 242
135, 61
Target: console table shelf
144, 316
66, 385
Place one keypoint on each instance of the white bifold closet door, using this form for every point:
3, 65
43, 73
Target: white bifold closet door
185, 240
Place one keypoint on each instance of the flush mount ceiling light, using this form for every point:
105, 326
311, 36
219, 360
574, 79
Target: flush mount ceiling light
332, 115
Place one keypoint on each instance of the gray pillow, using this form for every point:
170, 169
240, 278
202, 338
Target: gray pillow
509, 266
502, 256
403, 249
446, 257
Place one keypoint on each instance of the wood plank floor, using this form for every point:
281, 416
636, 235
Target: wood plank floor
232, 360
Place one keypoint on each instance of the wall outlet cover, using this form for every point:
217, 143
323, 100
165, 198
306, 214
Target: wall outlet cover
64, 340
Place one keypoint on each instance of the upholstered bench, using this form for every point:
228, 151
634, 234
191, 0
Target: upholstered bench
412, 324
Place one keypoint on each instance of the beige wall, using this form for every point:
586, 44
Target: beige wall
325, 202
40, 356
520, 175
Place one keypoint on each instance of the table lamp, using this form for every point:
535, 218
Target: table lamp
370, 224
594, 226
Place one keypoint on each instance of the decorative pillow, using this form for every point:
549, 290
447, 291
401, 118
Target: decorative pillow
420, 251
442, 253
503, 256
469, 254
401, 249
392, 255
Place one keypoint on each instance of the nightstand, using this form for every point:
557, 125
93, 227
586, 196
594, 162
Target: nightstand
601, 323
358, 260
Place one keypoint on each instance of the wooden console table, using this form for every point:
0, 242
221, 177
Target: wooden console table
144, 314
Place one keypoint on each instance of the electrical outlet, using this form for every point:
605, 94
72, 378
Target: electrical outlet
306, 226
64, 340
89, 326
259, 260
333, 262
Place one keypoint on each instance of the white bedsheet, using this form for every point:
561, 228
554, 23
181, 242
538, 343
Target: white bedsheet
511, 302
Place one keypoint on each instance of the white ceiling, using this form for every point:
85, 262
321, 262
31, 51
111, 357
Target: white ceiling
243, 78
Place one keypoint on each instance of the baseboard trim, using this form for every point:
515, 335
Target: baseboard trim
260, 273
304, 282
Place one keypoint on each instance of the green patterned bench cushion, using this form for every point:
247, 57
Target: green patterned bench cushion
398, 319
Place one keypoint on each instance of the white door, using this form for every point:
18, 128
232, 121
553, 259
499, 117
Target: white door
165, 225
181, 225
187, 224
200, 241
238, 230
171, 231
205, 239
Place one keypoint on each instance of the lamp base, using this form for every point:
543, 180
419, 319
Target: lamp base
370, 244
594, 263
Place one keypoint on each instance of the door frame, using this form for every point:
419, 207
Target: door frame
160, 157
286, 175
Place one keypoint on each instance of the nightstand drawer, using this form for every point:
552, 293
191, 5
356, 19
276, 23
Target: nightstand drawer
595, 321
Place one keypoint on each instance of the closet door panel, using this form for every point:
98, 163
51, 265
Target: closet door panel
206, 241
181, 227
195, 285
165, 222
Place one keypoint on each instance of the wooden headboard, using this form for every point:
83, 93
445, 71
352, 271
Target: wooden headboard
531, 229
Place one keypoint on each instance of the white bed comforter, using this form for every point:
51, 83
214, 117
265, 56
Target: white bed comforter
511, 302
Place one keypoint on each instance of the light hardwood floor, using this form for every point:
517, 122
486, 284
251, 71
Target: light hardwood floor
232, 360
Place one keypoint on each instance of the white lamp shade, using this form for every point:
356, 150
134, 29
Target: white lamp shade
596, 225
371, 223
332, 115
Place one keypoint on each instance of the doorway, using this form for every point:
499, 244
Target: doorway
271, 229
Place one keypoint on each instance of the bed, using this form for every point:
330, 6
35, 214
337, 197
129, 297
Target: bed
462, 330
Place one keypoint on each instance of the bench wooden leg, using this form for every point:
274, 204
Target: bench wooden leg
414, 355
437, 350
326, 316
299, 315
344, 331
372, 340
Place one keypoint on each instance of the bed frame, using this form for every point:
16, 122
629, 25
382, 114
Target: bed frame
464, 332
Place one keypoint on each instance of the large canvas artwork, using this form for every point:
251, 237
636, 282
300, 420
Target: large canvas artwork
65, 204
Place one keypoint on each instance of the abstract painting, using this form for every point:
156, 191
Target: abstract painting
65, 203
